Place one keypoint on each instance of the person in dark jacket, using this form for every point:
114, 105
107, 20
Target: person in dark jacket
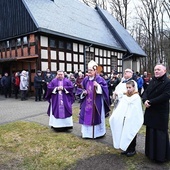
47, 78
146, 79
114, 81
1, 88
6, 85
38, 85
156, 100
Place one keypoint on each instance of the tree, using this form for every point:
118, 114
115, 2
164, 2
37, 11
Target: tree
152, 22
119, 9
101, 3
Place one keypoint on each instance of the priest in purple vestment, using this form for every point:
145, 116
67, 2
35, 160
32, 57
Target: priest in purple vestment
94, 106
60, 98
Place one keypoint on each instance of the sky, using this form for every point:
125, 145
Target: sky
135, 3
132, 12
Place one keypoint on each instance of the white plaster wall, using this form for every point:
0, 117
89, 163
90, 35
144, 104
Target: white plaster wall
44, 54
44, 41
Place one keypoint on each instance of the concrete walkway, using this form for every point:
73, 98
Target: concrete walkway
14, 109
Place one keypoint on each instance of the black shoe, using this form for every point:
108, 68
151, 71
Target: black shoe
129, 154
124, 153
101, 136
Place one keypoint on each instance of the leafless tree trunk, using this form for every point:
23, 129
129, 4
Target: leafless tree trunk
102, 3
151, 20
119, 9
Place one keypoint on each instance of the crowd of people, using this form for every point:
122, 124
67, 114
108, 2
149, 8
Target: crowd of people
96, 92
127, 116
18, 83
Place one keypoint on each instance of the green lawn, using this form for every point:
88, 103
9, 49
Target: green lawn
31, 146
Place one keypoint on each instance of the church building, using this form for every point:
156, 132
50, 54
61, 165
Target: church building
62, 34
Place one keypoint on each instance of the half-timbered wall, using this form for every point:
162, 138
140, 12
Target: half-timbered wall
61, 54
19, 47
33, 52
55, 53
19, 54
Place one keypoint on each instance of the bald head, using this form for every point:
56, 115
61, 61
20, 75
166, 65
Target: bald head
128, 73
159, 70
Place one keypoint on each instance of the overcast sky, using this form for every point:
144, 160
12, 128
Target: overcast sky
132, 14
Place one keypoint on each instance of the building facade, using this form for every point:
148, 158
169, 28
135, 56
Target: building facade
40, 34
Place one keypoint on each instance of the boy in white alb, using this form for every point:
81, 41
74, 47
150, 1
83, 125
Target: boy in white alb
126, 120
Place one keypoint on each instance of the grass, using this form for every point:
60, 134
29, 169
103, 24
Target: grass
30, 146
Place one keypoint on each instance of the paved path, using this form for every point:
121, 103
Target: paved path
14, 109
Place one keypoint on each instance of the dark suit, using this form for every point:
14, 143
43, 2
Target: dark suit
156, 119
38, 87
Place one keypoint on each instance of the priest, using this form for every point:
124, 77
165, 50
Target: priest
94, 106
60, 98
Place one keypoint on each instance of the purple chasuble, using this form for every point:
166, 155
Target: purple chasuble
90, 107
89, 104
61, 103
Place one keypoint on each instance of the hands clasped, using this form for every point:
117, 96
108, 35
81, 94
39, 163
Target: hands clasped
60, 88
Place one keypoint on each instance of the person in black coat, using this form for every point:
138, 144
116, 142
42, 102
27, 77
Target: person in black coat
47, 78
38, 85
113, 82
6, 85
1, 88
156, 100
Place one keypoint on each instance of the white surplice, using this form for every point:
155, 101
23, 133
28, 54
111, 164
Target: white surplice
97, 130
59, 123
126, 120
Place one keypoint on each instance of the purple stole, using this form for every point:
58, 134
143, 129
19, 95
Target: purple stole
88, 116
60, 103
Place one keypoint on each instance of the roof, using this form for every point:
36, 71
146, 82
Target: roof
73, 19
124, 37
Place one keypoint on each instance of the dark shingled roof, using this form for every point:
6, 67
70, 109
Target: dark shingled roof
74, 19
